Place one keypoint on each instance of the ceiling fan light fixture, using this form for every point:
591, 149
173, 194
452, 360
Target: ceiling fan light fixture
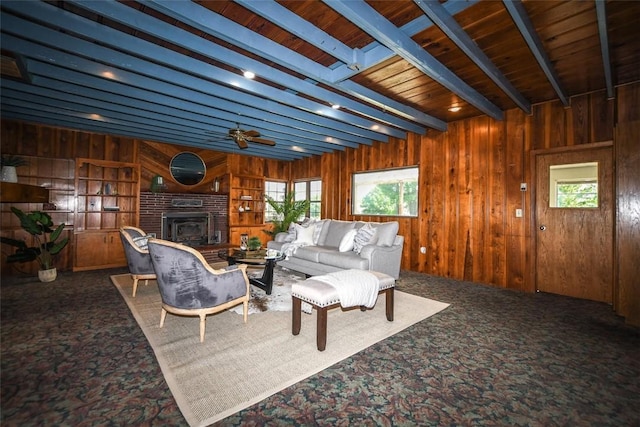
249, 74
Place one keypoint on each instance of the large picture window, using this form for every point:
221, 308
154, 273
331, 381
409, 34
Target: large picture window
392, 192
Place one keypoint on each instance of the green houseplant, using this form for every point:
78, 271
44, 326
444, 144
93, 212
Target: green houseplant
40, 226
254, 243
288, 211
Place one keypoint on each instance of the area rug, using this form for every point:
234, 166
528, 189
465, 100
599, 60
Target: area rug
241, 364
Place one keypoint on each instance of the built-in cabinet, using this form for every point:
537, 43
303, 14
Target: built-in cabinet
98, 249
246, 207
107, 198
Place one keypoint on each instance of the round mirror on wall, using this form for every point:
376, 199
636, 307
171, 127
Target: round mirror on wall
187, 168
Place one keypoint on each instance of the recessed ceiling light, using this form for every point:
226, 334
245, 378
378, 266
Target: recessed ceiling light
454, 108
249, 74
335, 106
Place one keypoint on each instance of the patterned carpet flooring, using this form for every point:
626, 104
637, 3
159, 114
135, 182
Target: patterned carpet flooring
72, 354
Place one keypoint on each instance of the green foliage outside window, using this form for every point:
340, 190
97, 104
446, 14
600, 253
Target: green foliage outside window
391, 192
577, 194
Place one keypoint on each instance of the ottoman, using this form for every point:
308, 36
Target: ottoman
322, 296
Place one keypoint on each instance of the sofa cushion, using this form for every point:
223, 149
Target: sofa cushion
312, 253
346, 244
386, 232
366, 235
334, 232
344, 260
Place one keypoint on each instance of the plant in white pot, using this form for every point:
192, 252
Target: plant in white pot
9, 164
40, 226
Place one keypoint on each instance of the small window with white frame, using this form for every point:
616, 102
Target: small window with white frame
310, 190
276, 190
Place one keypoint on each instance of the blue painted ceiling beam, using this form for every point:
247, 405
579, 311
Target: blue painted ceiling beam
225, 29
199, 114
375, 53
169, 57
302, 29
18, 90
521, 19
601, 13
160, 29
46, 69
376, 25
113, 129
439, 15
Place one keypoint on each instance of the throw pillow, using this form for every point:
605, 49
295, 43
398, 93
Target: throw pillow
142, 242
366, 235
319, 225
386, 232
346, 244
304, 235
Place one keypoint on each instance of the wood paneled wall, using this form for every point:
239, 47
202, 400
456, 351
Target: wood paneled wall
470, 179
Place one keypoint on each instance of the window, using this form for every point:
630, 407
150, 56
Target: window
574, 186
312, 191
276, 190
389, 192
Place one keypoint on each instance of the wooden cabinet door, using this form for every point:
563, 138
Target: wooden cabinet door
98, 250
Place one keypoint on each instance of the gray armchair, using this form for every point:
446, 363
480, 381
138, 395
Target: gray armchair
134, 241
189, 286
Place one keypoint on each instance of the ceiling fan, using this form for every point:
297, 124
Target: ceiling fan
242, 137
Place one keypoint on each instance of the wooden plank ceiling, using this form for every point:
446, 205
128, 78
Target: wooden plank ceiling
172, 71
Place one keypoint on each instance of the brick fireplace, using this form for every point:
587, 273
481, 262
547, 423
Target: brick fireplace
212, 206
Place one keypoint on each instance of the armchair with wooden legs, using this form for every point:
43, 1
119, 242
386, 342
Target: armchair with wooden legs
189, 286
134, 241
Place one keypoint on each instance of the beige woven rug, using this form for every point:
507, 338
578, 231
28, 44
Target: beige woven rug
240, 364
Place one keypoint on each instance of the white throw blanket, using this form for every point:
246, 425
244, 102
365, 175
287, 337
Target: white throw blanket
355, 287
289, 249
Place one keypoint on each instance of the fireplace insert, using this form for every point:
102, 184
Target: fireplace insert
189, 228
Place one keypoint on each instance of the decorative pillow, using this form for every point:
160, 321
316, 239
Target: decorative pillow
386, 232
304, 235
142, 242
346, 244
366, 235
319, 225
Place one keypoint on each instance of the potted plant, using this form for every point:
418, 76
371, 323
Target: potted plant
254, 243
9, 164
288, 211
40, 226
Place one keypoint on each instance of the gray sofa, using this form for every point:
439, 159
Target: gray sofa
326, 248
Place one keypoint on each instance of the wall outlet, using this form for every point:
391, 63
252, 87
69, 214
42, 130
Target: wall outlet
518, 213
523, 186
423, 250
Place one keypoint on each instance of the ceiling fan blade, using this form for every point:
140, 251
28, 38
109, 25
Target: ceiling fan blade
252, 133
242, 143
262, 141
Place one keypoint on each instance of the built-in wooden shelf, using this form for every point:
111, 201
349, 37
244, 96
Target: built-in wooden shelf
13, 192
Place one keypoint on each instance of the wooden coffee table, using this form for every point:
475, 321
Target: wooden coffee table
257, 258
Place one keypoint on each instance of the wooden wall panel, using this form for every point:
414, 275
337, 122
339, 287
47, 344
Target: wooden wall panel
627, 148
